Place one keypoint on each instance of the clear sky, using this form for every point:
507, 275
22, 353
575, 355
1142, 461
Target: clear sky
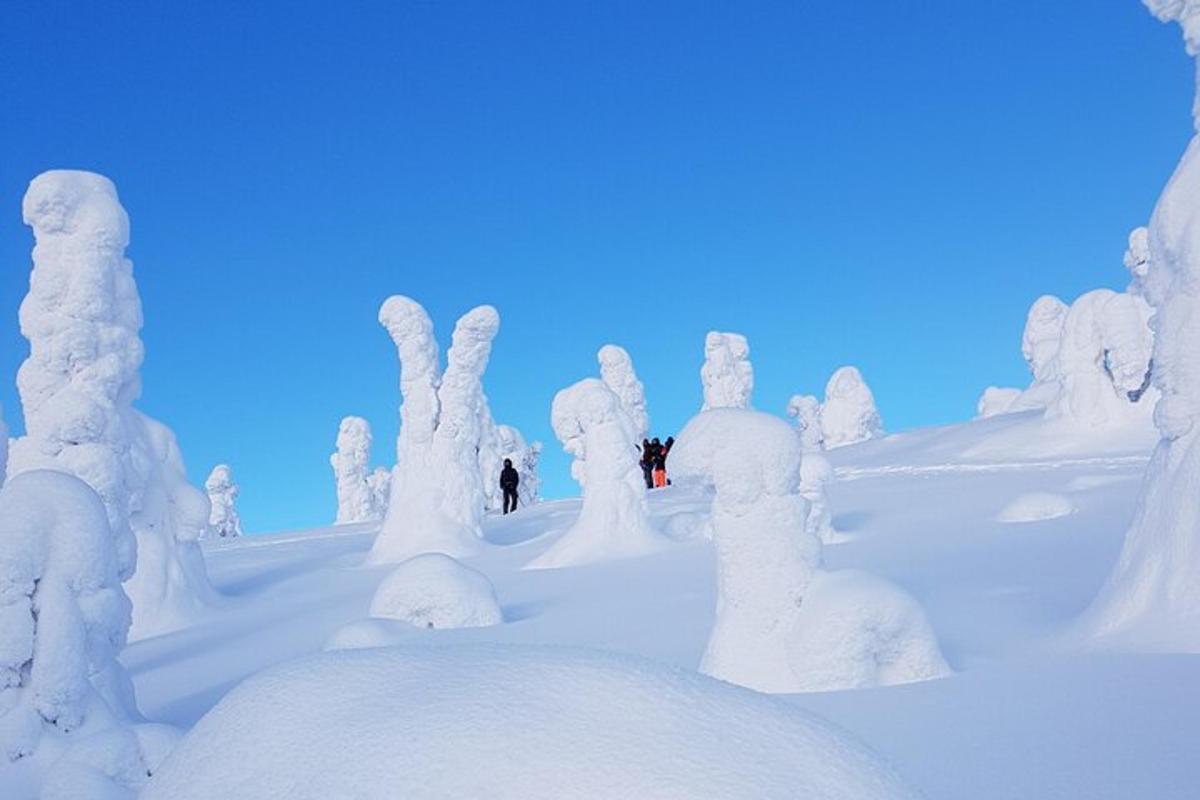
879, 183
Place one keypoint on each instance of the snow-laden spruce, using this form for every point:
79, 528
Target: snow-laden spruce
1137, 259
436, 501
380, 484
806, 410
224, 521
727, 374
618, 374
519, 723
848, 415
1152, 598
783, 624
434, 590
82, 317
356, 498
1040, 342
815, 469
593, 427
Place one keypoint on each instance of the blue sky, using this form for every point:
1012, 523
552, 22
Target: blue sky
874, 183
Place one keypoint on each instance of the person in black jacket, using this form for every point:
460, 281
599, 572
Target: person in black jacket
509, 480
647, 463
660, 461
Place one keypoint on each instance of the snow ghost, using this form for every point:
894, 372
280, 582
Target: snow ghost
436, 501
849, 415
355, 498
223, 521
592, 425
1152, 598
1137, 258
1040, 343
783, 624
380, 483
82, 317
806, 410
727, 375
616, 370
996, 400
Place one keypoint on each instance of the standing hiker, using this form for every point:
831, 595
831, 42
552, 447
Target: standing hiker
647, 463
660, 461
509, 480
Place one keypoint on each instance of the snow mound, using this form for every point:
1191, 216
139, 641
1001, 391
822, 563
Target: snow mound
996, 400
436, 591
503, 722
1036, 506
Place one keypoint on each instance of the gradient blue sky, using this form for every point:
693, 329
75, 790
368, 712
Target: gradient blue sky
887, 184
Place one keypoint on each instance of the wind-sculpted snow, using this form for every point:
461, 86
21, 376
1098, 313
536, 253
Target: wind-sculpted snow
1040, 344
848, 415
782, 625
616, 370
727, 375
806, 410
996, 400
505, 722
434, 590
1152, 597
1036, 507
223, 521
356, 498
82, 316
593, 427
436, 501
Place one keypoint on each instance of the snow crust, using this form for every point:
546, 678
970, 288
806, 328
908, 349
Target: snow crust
590, 421
436, 501
778, 627
618, 374
1035, 507
727, 375
223, 521
436, 591
503, 722
848, 415
357, 496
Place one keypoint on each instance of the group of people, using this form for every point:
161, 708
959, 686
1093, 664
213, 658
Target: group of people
654, 462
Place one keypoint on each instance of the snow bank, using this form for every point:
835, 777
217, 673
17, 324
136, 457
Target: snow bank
996, 400
503, 722
356, 498
770, 633
1036, 506
806, 410
436, 501
1152, 597
593, 427
727, 375
616, 370
435, 591
82, 316
848, 414
223, 521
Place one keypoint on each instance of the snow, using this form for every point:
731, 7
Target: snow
727, 375
504, 722
848, 414
1137, 258
783, 625
357, 498
525, 458
1035, 507
815, 473
616, 370
1151, 600
806, 410
223, 520
436, 501
435, 591
590, 421
996, 400
380, 484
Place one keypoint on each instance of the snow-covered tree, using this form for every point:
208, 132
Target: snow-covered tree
1137, 258
356, 502
590, 421
727, 375
783, 624
815, 469
1040, 343
436, 500
806, 410
223, 521
848, 414
380, 483
617, 372
996, 400
1152, 597
82, 316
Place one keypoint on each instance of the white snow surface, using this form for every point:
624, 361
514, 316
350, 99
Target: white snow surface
848, 415
503, 722
1035, 507
590, 421
727, 375
434, 590
223, 520
357, 498
996, 400
618, 374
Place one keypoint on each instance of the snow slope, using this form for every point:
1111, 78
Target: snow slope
1025, 715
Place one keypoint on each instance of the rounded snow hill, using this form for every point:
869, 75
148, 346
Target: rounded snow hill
1036, 506
503, 722
434, 590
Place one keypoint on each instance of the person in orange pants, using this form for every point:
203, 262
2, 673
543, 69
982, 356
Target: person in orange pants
660, 461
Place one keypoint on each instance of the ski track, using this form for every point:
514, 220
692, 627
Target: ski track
1108, 463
